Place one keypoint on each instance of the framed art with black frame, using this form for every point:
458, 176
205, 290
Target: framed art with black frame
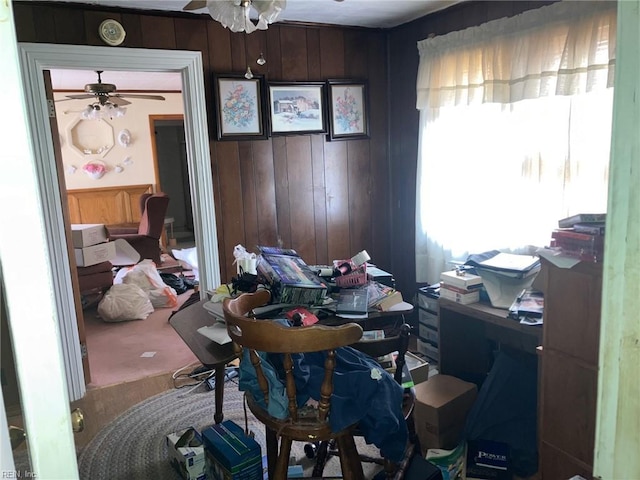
297, 108
348, 109
240, 107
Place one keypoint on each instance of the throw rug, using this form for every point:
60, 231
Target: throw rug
133, 446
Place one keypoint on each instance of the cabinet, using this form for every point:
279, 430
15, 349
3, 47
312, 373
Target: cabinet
428, 325
569, 374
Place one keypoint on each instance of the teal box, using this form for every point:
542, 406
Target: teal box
231, 454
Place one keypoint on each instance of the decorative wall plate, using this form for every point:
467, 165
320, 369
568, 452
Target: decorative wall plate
124, 138
95, 169
111, 32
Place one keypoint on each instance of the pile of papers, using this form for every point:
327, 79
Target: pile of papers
528, 307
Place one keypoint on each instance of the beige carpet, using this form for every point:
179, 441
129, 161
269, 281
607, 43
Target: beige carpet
127, 351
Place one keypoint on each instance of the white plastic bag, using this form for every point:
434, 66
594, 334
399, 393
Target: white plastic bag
124, 302
188, 258
245, 262
145, 275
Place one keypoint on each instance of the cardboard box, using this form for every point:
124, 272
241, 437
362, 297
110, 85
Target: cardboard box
231, 454
87, 234
418, 368
95, 254
441, 408
187, 454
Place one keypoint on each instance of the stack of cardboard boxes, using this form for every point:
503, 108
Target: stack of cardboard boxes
91, 244
222, 452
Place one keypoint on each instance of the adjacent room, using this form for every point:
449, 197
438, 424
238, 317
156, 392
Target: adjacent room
458, 176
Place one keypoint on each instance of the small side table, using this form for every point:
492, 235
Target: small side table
171, 240
212, 355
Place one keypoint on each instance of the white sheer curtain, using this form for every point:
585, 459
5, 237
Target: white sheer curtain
515, 124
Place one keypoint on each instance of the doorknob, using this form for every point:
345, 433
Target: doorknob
77, 420
17, 435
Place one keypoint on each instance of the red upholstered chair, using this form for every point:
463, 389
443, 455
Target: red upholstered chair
147, 239
130, 228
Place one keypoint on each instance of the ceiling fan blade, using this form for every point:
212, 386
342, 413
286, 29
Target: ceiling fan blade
80, 96
195, 5
133, 95
119, 101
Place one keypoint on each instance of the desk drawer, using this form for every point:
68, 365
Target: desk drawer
427, 333
428, 350
428, 318
427, 302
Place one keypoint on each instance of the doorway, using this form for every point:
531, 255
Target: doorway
35, 59
169, 150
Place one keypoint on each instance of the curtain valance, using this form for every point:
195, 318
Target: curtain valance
562, 49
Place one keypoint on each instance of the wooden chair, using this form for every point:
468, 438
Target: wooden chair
397, 342
300, 425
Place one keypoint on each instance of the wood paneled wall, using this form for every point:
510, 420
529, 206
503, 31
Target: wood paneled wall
327, 200
110, 205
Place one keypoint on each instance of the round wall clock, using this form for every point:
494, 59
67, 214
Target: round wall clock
111, 32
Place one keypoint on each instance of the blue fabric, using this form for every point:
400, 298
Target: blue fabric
248, 381
363, 393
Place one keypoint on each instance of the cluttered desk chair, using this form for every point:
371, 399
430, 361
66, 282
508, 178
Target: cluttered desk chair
252, 336
378, 348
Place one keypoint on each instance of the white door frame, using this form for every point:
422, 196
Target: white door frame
35, 58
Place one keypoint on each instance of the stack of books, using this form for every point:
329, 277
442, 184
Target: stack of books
290, 278
382, 297
581, 236
460, 286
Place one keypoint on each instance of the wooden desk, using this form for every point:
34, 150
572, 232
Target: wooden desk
212, 355
470, 333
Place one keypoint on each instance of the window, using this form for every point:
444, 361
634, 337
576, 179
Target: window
514, 132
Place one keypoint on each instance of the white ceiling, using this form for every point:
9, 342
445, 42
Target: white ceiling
125, 81
361, 13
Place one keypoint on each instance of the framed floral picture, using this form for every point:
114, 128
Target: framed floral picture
348, 110
297, 108
240, 107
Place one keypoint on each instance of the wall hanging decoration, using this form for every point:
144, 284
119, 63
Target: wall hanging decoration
119, 169
87, 137
348, 112
297, 108
111, 32
240, 107
124, 138
95, 169
127, 161
71, 169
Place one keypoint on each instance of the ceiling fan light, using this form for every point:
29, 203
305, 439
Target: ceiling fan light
92, 112
236, 14
269, 10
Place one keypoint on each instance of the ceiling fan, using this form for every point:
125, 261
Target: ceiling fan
235, 14
105, 94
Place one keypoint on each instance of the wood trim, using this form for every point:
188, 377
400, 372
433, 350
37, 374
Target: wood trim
108, 205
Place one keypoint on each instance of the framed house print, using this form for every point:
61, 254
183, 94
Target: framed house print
297, 108
240, 107
348, 110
